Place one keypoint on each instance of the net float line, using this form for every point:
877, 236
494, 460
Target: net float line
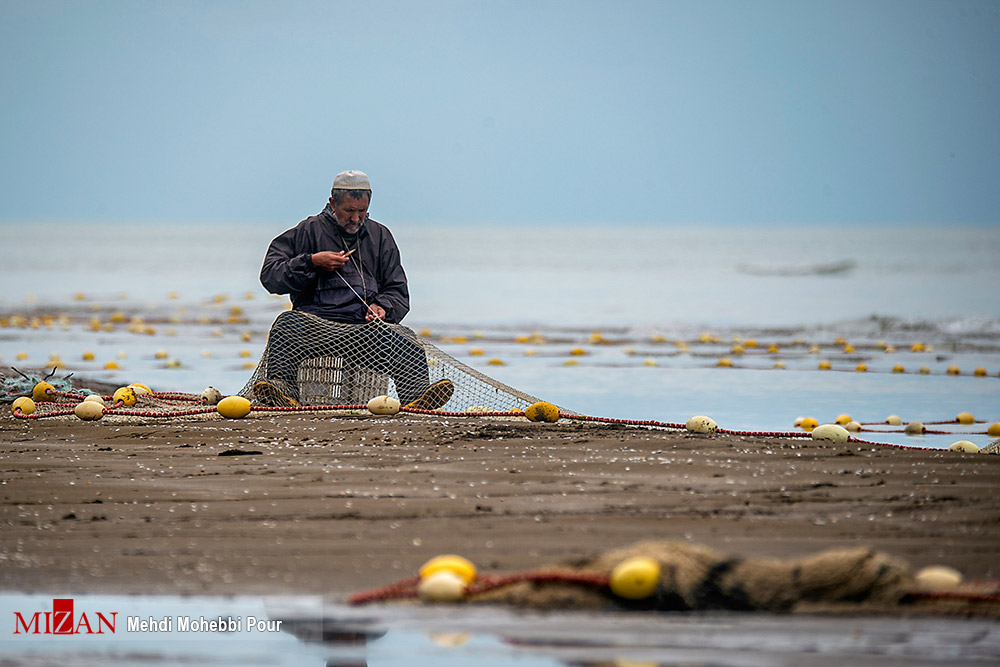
957, 421
894, 446
408, 588
120, 408
116, 410
39, 415
991, 596
399, 590
445, 413
626, 422
490, 582
926, 431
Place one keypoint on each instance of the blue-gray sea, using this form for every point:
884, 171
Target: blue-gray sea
653, 308
651, 294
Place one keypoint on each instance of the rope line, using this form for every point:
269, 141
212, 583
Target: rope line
408, 588
119, 409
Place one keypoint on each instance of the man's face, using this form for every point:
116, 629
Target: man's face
350, 212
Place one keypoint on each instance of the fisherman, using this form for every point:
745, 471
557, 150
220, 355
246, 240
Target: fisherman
343, 273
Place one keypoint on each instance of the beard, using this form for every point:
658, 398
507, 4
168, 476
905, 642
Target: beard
350, 227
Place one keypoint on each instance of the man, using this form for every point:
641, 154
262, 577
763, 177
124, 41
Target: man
342, 270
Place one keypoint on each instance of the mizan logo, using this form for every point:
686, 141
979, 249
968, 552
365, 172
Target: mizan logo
62, 621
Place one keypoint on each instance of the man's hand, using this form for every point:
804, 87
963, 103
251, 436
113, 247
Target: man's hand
329, 260
375, 312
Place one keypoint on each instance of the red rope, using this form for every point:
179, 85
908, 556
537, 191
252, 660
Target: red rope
117, 410
892, 446
993, 596
399, 590
442, 413
65, 394
306, 408
38, 415
176, 396
627, 422
489, 583
407, 588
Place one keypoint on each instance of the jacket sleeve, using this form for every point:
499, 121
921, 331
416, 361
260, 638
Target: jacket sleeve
393, 292
288, 268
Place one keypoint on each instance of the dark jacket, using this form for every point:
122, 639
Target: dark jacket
288, 269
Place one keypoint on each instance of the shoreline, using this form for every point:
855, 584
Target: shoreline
337, 504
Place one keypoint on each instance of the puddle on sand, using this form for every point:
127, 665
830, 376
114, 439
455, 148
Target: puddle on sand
160, 631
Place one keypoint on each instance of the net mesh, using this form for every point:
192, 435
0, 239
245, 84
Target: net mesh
312, 361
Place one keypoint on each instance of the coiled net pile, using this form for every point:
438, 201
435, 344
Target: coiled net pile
318, 362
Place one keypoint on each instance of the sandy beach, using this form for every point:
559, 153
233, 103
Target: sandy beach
334, 504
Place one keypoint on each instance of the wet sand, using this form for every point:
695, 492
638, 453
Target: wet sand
284, 504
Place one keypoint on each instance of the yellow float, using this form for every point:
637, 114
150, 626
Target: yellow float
233, 407
542, 412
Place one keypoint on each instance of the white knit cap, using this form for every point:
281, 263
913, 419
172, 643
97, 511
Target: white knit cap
351, 180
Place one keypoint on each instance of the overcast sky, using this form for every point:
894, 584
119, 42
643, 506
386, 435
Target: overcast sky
667, 112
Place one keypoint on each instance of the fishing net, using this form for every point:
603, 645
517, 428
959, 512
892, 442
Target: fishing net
678, 576
312, 361
695, 577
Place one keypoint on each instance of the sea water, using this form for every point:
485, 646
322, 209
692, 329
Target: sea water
641, 291
166, 631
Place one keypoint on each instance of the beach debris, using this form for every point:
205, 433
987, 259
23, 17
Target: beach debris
88, 411
701, 424
445, 578
239, 452
383, 405
211, 396
25, 385
807, 424
233, 407
442, 586
124, 395
24, 404
938, 577
635, 578
42, 392
457, 565
542, 411
678, 576
831, 433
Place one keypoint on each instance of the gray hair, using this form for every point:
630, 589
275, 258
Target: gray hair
339, 194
